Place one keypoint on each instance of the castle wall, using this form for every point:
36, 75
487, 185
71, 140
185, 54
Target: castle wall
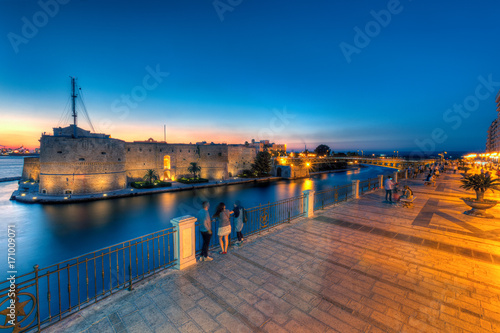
81, 165
31, 168
96, 164
141, 156
240, 158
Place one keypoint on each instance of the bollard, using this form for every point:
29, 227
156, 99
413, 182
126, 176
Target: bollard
355, 189
184, 241
308, 203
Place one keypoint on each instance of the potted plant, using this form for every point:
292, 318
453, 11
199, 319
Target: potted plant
479, 183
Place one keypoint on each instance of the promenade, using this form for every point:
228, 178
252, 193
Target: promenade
361, 266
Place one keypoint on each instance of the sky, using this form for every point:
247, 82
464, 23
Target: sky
370, 75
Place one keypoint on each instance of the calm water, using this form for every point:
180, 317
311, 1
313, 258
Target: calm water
47, 234
11, 166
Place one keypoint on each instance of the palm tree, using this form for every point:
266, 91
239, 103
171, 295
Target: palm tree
480, 183
150, 176
194, 168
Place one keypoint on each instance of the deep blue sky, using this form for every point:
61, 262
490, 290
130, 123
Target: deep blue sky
228, 78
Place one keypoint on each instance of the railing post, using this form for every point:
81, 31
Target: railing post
355, 189
381, 180
37, 302
406, 174
395, 176
184, 241
309, 203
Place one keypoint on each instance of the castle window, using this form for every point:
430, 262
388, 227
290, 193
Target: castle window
128, 149
59, 152
44, 191
140, 149
160, 150
220, 154
68, 192
172, 150
189, 150
81, 159
180, 150
208, 154
104, 153
150, 150
119, 160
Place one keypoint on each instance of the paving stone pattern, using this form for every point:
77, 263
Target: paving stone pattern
361, 266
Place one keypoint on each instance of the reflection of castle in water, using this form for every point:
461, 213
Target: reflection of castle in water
75, 161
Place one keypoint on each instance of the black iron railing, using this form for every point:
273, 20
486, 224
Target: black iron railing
260, 218
368, 185
50, 294
332, 196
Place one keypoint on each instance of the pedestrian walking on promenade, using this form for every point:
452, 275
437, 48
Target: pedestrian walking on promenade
239, 213
222, 215
388, 186
205, 229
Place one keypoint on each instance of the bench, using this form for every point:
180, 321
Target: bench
429, 183
408, 202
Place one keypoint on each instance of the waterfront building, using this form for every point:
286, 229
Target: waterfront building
493, 134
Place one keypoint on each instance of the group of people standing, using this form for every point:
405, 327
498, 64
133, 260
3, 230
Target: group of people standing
391, 187
223, 217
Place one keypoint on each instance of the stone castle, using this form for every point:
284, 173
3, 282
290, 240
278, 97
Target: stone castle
75, 161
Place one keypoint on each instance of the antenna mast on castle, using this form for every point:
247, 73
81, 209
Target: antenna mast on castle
73, 105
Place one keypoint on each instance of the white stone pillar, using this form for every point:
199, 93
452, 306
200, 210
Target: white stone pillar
309, 203
395, 176
184, 241
381, 177
355, 189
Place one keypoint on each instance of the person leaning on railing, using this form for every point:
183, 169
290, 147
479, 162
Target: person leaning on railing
222, 215
206, 230
239, 213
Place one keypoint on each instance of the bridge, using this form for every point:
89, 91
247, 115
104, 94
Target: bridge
386, 162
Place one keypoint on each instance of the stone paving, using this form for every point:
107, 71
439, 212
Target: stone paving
361, 266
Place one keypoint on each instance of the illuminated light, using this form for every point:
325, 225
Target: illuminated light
23, 195
132, 190
493, 154
34, 198
104, 195
308, 164
65, 198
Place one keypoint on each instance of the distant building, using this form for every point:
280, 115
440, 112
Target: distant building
493, 134
265, 145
